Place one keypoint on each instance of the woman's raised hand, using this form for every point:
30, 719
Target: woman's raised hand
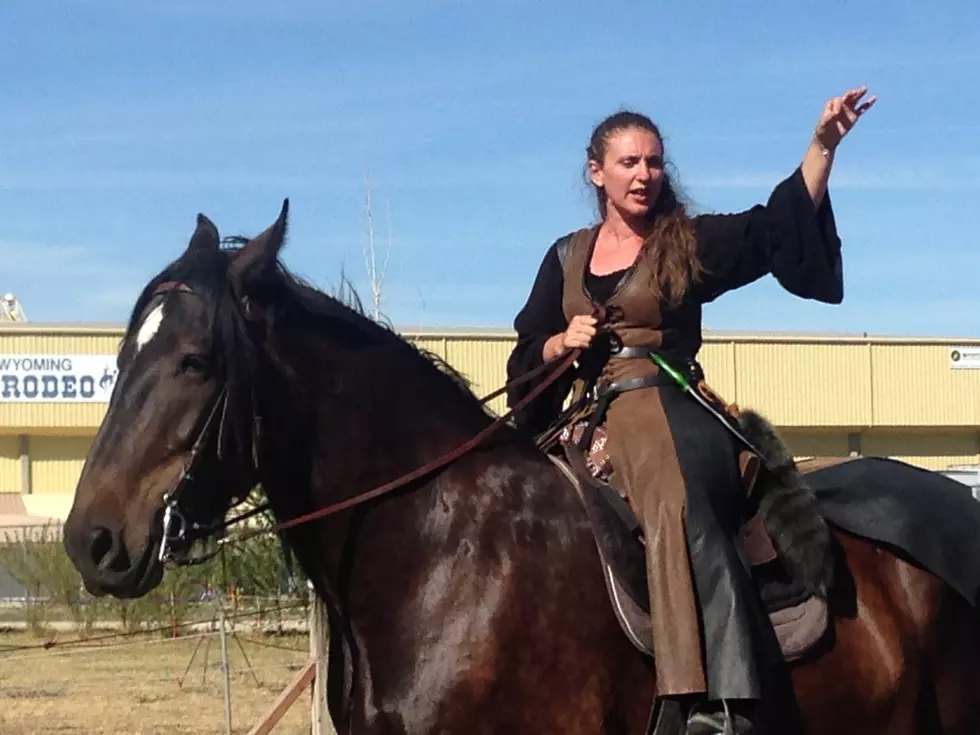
839, 116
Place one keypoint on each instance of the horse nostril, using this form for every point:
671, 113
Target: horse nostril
106, 548
100, 544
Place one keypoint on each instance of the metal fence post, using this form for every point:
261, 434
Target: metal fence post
226, 667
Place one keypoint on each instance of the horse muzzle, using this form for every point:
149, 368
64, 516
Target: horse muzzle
108, 567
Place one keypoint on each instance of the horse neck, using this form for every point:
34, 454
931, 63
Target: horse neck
447, 563
339, 422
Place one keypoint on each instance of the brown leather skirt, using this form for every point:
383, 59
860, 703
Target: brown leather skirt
679, 468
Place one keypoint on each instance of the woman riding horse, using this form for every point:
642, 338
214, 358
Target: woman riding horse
651, 265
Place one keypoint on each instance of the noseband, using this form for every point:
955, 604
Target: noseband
175, 525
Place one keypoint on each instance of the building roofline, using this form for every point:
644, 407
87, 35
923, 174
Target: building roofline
502, 333
94, 328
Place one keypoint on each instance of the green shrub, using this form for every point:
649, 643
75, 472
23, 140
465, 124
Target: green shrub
252, 577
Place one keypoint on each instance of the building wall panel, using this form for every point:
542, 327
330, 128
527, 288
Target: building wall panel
22, 341
49, 506
798, 381
718, 361
805, 384
56, 463
930, 450
806, 444
9, 464
483, 363
65, 418
913, 384
933, 451
436, 345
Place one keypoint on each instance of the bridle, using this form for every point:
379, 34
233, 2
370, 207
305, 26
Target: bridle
176, 527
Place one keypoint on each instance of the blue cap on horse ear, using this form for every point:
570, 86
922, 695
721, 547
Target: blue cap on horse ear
205, 237
259, 255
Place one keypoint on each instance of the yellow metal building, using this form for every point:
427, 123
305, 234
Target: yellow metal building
913, 399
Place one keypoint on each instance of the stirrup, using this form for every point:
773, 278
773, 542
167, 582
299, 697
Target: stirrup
717, 722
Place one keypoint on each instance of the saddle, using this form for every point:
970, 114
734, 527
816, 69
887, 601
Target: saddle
799, 617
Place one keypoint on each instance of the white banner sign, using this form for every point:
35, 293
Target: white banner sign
964, 358
57, 378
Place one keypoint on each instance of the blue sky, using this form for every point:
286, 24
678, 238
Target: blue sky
121, 119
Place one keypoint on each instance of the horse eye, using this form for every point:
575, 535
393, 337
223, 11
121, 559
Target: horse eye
194, 364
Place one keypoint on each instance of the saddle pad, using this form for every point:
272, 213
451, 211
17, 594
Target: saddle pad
801, 627
799, 623
932, 519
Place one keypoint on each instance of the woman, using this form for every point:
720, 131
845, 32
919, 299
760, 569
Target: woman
653, 266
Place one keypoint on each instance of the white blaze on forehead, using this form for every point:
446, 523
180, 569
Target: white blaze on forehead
149, 327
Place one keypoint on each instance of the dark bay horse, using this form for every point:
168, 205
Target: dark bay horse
471, 600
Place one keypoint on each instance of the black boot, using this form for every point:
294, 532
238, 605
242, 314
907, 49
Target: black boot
721, 718
668, 716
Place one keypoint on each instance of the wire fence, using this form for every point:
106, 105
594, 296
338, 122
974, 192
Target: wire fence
227, 675
41, 591
208, 651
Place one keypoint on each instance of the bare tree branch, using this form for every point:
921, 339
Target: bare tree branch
376, 275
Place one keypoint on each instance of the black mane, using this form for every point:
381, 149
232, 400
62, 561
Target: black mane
289, 297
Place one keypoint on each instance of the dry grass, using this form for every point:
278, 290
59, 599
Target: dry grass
136, 688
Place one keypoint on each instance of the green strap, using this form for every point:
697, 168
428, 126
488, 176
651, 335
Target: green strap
683, 382
665, 366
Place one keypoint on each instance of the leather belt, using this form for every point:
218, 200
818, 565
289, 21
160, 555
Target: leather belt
624, 353
621, 386
690, 368
606, 391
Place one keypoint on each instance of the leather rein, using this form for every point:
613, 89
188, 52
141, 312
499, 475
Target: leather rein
176, 528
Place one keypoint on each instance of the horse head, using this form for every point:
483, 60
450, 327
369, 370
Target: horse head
176, 446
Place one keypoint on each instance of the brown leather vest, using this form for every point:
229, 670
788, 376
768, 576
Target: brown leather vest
634, 313
635, 317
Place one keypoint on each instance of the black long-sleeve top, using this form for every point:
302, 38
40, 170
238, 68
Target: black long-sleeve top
787, 237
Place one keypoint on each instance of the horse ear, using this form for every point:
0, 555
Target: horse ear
258, 256
205, 237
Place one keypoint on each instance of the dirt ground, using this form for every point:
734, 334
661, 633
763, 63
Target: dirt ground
137, 688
